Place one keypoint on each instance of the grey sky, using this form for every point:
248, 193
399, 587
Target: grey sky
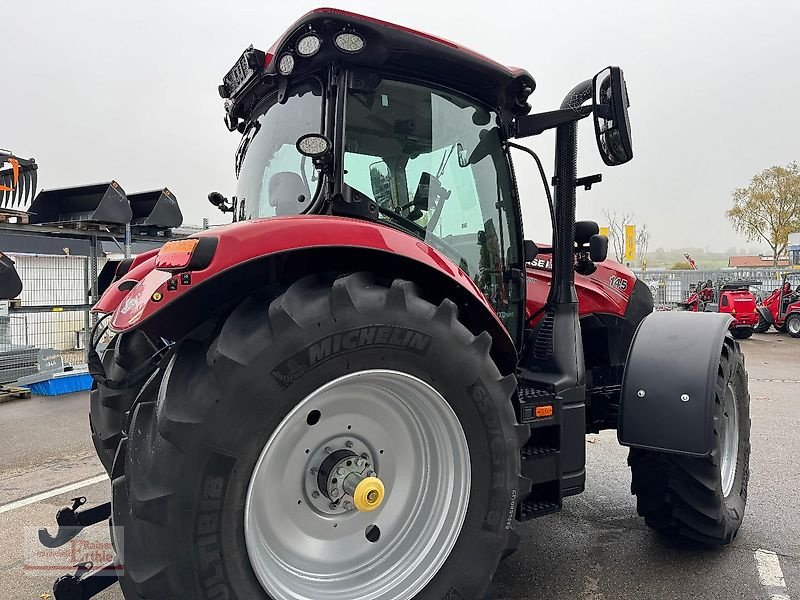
96, 90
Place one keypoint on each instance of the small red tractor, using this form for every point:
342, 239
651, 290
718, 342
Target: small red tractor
733, 298
781, 309
363, 385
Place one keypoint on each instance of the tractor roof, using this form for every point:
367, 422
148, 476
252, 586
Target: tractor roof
399, 51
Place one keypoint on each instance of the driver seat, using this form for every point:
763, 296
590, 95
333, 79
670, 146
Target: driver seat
285, 192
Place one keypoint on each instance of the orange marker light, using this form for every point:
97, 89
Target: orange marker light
546, 410
176, 255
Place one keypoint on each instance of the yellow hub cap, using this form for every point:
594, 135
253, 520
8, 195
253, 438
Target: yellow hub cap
369, 494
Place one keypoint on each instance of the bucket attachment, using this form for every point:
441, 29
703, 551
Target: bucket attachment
98, 204
10, 283
17, 181
155, 210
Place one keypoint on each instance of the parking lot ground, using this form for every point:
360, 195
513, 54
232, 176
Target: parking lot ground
597, 548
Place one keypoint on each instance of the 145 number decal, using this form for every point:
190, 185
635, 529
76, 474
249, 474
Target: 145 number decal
618, 282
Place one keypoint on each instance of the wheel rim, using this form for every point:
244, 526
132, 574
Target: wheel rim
793, 325
301, 547
729, 436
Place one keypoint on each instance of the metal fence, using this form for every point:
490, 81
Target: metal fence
48, 324
673, 287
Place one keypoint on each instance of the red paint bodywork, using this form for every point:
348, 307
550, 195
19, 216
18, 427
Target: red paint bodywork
607, 290
739, 304
249, 240
773, 303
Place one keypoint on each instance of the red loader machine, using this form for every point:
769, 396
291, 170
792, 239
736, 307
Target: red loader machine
361, 387
781, 309
733, 298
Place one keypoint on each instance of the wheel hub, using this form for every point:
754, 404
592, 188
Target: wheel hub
345, 481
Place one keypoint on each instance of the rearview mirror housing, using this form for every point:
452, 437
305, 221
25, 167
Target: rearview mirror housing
598, 248
611, 123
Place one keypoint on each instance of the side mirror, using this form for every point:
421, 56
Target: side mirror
611, 123
381, 182
221, 202
598, 248
10, 283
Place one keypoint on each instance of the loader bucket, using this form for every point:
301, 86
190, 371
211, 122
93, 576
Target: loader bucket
101, 204
10, 283
155, 210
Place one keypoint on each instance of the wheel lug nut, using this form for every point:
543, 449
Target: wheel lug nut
315, 494
340, 471
348, 444
348, 505
332, 506
313, 470
327, 450
335, 493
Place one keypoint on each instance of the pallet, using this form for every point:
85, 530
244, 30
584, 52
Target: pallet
20, 215
7, 394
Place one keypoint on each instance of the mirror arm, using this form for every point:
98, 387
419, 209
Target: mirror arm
529, 125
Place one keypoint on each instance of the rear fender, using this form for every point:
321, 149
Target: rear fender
271, 253
668, 389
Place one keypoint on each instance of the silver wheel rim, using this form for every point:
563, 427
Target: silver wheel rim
794, 325
729, 436
300, 548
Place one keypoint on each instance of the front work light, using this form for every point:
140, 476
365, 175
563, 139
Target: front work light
349, 41
308, 45
176, 255
286, 64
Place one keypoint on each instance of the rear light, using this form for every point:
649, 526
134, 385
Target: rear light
176, 255
544, 410
349, 41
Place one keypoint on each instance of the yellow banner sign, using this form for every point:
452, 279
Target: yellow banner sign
630, 242
604, 231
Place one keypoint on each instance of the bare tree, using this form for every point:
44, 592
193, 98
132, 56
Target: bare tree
642, 243
616, 231
769, 208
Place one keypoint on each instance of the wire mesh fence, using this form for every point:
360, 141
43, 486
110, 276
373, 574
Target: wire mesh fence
47, 325
670, 288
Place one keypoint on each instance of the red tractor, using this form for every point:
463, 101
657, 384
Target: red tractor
733, 298
359, 388
781, 309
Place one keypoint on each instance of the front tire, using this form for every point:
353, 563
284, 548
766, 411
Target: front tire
702, 499
792, 325
221, 490
762, 326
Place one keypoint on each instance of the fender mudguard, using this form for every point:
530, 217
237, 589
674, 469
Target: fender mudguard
251, 255
668, 388
765, 314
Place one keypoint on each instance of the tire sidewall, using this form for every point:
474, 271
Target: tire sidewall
258, 395
736, 500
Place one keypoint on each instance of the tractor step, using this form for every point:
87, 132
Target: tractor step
552, 467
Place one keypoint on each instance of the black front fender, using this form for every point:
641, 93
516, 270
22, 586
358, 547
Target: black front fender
765, 314
668, 388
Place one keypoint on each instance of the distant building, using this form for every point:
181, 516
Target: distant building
759, 260
794, 248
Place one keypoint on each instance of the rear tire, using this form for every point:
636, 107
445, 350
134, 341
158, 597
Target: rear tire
109, 404
742, 333
792, 325
682, 496
188, 486
762, 326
